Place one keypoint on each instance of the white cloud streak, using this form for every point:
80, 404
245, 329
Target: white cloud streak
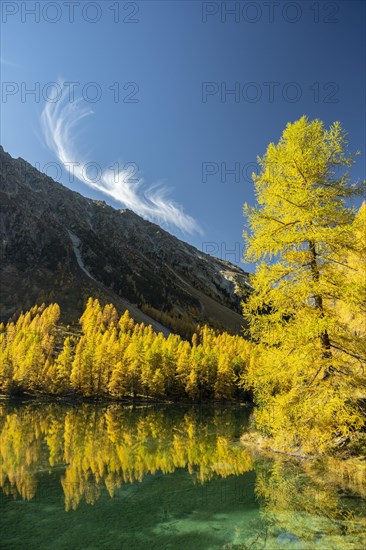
59, 123
4, 61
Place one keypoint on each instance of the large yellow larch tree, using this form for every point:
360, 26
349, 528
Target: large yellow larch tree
299, 234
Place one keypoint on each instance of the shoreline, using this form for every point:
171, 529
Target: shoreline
79, 400
259, 444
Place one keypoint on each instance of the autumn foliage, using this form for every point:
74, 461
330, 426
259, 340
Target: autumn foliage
305, 358
307, 313
115, 357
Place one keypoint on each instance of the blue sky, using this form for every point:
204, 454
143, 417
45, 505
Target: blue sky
172, 121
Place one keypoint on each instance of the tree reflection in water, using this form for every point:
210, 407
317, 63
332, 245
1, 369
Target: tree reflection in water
104, 447
109, 446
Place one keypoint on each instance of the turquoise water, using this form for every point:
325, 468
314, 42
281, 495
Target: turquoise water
162, 477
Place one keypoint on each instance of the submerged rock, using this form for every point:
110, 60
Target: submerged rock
288, 539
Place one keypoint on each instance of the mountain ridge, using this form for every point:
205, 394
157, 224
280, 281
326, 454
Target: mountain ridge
58, 244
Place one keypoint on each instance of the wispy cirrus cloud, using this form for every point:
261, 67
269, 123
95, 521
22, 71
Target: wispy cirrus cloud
4, 61
60, 121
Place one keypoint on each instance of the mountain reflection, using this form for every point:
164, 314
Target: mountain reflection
113, 445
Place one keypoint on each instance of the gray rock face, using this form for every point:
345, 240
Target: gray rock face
58, 245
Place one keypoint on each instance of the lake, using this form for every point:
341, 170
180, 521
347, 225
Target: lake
162, 477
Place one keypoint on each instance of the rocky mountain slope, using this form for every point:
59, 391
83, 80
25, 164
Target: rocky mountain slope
58, 245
